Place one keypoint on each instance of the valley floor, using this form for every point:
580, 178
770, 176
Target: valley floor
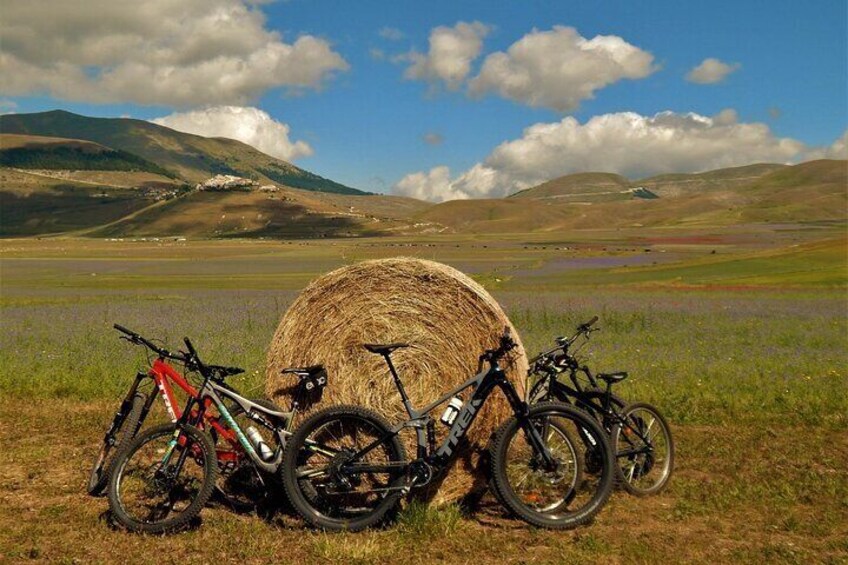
737, 334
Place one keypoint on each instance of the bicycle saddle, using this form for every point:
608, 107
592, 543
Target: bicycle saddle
611, 378
383, 349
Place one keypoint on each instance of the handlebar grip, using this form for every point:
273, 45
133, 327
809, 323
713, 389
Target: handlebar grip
591, 322
191, 349
121, 328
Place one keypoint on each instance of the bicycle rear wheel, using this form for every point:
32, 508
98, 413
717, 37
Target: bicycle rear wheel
123, 430
557, 495
162, 479
328, 485
644, 450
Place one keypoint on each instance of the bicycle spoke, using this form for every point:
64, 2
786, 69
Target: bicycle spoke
648, 465
151, 494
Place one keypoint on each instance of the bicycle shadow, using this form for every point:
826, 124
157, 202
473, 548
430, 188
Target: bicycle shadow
108, 518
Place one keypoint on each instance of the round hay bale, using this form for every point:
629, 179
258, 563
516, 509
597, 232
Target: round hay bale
446, 317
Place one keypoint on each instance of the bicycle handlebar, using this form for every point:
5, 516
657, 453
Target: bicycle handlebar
139, 340
563, 343
584, 327
191, 358
506, 345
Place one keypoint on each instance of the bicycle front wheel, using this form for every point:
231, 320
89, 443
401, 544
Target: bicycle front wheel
644, 450
162, 479
550, 490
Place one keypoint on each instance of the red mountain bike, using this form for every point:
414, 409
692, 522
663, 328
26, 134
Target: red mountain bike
237, 486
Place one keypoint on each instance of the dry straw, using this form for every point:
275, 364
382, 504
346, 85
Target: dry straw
447, 318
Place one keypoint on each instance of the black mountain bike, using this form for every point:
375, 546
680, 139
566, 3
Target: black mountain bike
161, 480
639, 434
346, 468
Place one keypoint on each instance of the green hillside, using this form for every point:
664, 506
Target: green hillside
607, 187
65, 207
34, 152
190, 157
720, 179
593, 187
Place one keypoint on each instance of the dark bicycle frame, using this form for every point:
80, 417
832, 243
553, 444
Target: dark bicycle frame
440, 458
581, 398
602, 410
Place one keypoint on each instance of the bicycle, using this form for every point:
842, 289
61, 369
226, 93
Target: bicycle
644, 453
133, 412
237, 487
345, 467
162, 479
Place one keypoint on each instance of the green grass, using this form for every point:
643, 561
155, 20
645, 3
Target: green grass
820, 264
705, 356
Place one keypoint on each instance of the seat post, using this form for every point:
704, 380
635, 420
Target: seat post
398, 383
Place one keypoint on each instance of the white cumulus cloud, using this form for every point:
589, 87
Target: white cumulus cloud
452, 50
250, 125
183, 53
837, 150
436, 185
560, 68
627, 143
711, 71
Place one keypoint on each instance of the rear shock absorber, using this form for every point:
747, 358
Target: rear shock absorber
431, 435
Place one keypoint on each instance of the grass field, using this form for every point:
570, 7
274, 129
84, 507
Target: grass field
738, 335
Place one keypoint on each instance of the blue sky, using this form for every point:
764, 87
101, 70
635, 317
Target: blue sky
365, 124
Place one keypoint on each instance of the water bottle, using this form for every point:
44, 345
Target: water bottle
452, 409
265, 452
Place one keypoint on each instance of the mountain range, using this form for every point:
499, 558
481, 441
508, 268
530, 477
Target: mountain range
62, 173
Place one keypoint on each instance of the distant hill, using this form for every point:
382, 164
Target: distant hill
580, 187
192, 158
61, 173
812, 191
721, 179
605, 187
288, 213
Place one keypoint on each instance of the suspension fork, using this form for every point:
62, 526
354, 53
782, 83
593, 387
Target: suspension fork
521, 411
185, 418
148, 405
123, 409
